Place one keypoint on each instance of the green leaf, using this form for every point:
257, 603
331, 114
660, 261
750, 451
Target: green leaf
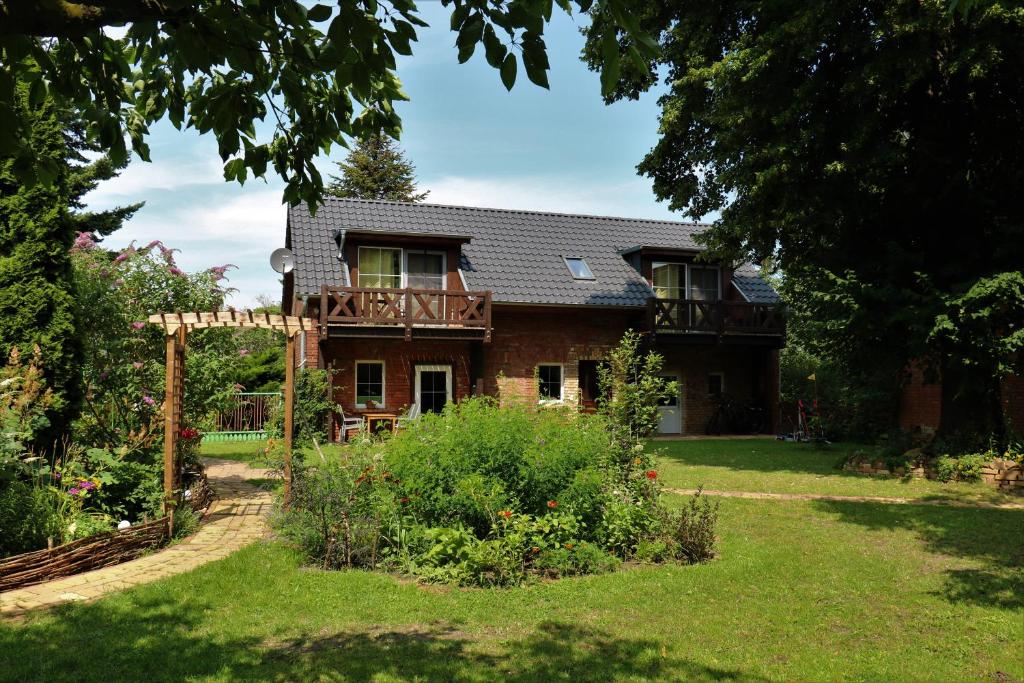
508, 71
610, 62
319, 13
235, 170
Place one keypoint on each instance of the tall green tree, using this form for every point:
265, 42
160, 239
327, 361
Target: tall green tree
376, 169
38, 225
873, 147
318, 73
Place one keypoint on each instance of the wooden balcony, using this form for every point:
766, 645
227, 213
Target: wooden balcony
408, 313
715, 319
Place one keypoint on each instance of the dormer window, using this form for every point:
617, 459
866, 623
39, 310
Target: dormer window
380, 267
579, 268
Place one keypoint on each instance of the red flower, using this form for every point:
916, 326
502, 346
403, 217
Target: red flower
535, 550
552, 504
652, 475
507, 514
403, 501
568, 546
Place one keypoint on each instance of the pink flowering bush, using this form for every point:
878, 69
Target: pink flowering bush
124, 372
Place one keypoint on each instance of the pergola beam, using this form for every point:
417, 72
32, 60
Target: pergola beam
289, 325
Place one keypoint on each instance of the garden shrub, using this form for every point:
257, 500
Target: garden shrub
312, 410
29, 515
490, 496
964, 467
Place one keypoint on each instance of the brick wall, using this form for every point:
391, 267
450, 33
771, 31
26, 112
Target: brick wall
920, 402
747, 374
400, 359
523, 338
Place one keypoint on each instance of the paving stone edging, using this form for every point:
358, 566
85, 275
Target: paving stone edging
236, 519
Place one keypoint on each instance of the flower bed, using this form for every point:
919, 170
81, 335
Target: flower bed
482, 495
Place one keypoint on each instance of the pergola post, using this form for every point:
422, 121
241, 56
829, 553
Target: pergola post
172, 415
289, 414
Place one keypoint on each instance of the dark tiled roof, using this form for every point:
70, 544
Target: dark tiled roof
515, 254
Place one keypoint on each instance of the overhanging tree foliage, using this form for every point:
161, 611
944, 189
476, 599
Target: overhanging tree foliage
318, 73
874, 147
376, 169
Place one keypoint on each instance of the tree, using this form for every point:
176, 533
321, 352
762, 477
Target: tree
376, 169
320, 74
874, 148
38, 225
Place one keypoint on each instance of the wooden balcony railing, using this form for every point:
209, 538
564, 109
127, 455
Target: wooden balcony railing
714, 317
449, 309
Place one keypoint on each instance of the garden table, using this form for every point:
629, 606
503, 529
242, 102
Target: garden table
371, 418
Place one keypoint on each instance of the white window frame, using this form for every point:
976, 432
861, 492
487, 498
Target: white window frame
561, 383
721, 382
449, 373
444, 264
383, 382
685, 286
401, 261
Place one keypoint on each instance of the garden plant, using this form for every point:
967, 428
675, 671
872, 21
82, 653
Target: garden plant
491, 495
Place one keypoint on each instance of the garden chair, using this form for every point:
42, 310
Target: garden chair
348, 423
411, 414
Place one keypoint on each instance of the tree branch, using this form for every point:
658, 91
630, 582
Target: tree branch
66, 19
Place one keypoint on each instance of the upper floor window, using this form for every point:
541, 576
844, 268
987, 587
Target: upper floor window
669, 280
425, 269
703, 283
380, 267
685, 281
579, 268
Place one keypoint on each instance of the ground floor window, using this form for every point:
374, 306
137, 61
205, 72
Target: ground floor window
549, 382
369, 383
716, 383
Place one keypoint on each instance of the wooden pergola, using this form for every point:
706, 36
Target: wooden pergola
177, 326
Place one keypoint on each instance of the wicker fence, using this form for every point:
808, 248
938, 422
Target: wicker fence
97, 551
101, 550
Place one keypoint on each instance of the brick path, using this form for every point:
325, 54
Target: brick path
850, 499
235, 519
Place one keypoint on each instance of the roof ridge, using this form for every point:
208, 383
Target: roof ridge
390, 202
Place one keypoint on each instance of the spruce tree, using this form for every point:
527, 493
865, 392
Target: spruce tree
376, 169
38, 227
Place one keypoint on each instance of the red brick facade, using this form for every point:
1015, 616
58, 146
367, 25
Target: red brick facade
523, 338
921, 402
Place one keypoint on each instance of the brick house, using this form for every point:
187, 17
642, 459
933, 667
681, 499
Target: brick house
422, 303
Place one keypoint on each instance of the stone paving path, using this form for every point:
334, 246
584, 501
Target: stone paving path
850, 499
236, 518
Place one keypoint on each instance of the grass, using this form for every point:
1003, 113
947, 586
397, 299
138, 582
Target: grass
802, 591
769, 466
252, 452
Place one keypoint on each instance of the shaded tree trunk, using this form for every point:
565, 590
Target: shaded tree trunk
972, 411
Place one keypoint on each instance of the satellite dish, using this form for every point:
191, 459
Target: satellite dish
282, 260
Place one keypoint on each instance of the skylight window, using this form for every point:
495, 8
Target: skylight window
579, 268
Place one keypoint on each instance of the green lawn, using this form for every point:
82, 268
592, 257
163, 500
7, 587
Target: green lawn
770, 466
252, 451
802, 590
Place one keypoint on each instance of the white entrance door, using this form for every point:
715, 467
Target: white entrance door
671, 411
433, 387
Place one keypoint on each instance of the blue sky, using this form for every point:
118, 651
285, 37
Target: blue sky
473, 143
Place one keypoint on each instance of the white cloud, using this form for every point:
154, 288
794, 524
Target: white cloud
141, 180
554, 193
